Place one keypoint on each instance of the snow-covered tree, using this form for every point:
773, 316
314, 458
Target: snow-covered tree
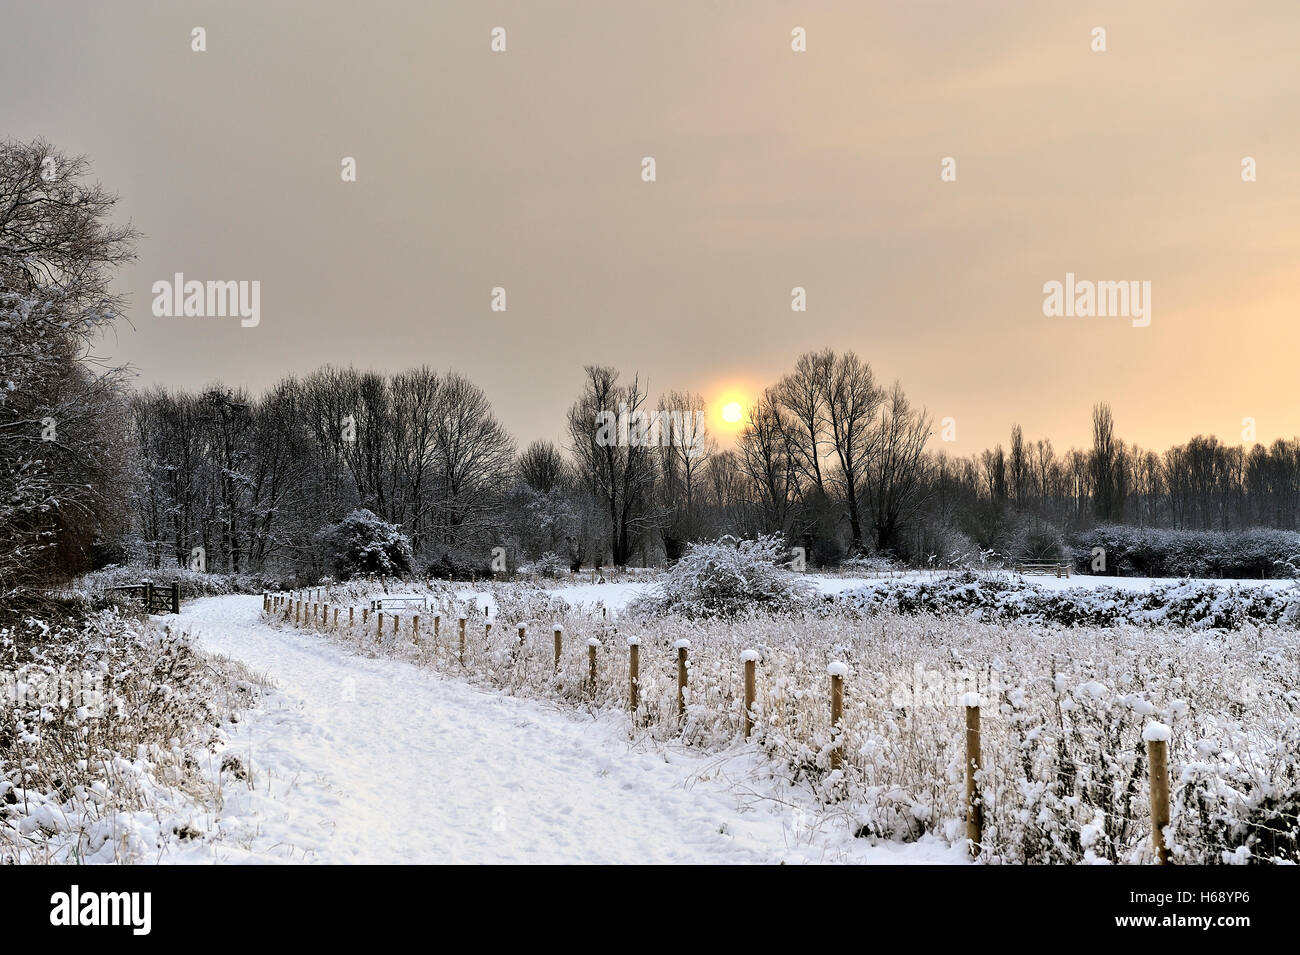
362, 544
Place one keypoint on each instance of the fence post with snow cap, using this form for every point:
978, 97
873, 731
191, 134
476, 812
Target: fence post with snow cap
750, 658
633, 674
974, 805
838, 671
1157, 736
681, 646
592, 646
559, 645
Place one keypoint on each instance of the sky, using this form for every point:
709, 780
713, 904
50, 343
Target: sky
775, 169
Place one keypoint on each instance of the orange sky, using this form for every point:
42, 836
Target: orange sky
775, 169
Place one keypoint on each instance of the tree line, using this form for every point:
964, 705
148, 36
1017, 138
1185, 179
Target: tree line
830, 457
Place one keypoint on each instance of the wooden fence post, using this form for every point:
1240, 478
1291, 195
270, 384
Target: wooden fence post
415, 629
750, 657
350, 617
559, 641
379, 627
592, 646
462, 639
395, 619
681, 646
176, 596
1157, 740
634, 674
974, 762
297, 613
437, 625
148, 598
336, 618
838, 671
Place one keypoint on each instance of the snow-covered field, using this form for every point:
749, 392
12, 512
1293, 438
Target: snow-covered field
370, 749
365, 759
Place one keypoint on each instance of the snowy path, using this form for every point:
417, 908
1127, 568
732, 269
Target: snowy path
376, 760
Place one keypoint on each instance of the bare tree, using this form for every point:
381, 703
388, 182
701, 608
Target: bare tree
616, 469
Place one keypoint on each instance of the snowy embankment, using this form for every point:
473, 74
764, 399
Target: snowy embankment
376, 760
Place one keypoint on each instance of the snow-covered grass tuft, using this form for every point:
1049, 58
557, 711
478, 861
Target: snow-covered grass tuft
108, 723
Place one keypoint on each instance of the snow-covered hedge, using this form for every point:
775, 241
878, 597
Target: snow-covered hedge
727, 577
193, 583
1160, 552
993, 597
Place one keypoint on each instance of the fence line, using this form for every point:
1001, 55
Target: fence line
288, 609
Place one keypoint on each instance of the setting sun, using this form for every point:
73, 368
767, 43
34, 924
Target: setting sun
732, 412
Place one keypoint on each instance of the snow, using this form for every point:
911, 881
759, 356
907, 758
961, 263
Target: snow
970, 699
747, 656
1156, 732
376, 760
634, 641
682, 644
837, 669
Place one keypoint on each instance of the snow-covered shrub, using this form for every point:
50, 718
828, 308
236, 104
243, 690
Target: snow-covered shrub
729, 576
872, 564
361, 543
549, 566
460, 563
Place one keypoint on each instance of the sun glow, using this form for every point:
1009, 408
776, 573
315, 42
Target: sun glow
732, 412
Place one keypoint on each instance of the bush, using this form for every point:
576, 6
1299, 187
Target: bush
549, 566
460, 563
361, 543
726, 577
